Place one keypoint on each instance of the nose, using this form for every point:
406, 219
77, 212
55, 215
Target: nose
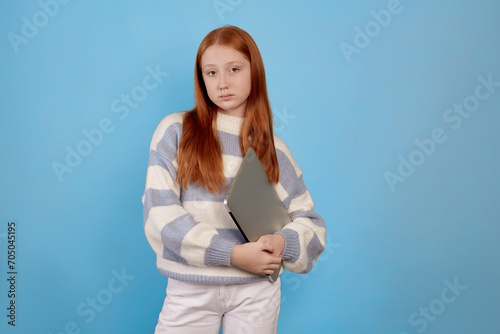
222, 81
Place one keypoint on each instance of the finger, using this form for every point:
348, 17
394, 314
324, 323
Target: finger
263, 238
267, 247
276, 260
269, 272
274, 266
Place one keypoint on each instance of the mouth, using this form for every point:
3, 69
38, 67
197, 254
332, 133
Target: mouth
226, 96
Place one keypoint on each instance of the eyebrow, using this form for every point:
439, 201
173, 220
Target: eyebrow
226, 64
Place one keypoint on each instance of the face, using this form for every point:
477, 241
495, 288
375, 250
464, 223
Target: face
226, 74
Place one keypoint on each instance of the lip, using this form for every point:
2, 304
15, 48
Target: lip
226, 97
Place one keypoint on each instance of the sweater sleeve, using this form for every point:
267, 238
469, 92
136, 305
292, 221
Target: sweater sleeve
172, 232
305, 235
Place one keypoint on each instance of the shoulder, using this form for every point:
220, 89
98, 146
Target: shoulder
169, 120
286, 161
281, 145
168, 130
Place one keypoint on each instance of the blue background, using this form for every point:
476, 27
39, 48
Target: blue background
349, 119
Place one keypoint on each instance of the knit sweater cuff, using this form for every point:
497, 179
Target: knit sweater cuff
219, 252
292, 245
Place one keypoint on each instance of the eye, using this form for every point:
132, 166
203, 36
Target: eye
234, 69
211, 73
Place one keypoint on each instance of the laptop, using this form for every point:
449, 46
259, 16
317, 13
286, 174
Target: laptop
254, 204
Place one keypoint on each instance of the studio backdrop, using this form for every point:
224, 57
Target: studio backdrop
390, 107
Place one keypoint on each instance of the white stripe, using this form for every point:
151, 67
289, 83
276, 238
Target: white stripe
318, 230
281, 191
212, 213
159, 216
163, 126
280, 145
160, 179
200, 236
231, 165
229, 124
302, 203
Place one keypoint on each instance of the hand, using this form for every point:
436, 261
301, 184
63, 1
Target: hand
256, 257
277, 241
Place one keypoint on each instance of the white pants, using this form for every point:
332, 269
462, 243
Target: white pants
191, 308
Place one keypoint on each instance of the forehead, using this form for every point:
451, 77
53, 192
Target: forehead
220, 55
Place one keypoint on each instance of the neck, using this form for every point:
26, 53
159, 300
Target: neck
239, 111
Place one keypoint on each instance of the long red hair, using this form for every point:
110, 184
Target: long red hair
200, 155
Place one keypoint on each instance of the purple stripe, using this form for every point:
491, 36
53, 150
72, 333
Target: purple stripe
230, 144
313, 216
156, 159
203, 279
202, 194
172, 235
155, 197
314, 249
294, 185
292, 245
167, 146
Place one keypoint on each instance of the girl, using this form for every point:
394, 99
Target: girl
215, 277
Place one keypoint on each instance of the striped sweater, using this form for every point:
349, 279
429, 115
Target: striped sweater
190, 230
